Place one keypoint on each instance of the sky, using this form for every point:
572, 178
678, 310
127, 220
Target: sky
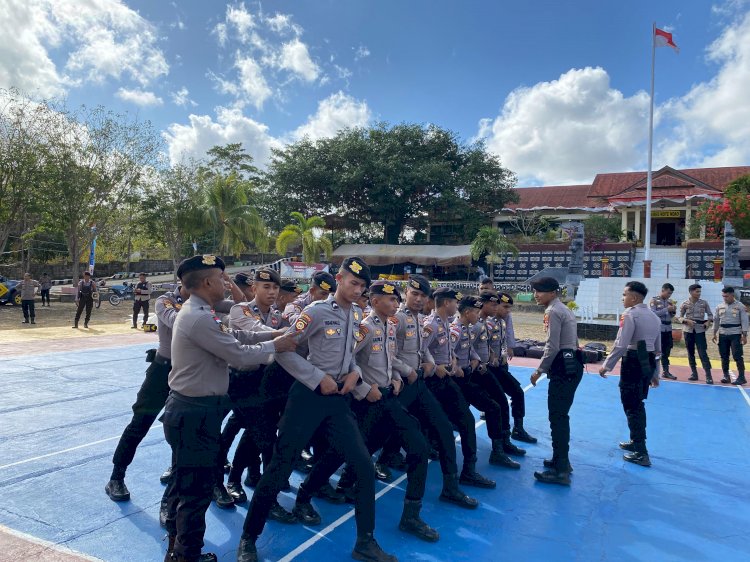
559, 90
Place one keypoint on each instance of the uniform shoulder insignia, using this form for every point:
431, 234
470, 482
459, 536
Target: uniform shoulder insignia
220, 324
427, 329
168, 304
393, 320
302, 322
246, 310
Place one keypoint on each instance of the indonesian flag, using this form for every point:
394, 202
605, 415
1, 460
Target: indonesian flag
664, 39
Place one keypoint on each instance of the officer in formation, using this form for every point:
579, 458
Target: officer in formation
202, 348
322, 286
141, 300
664, 307
84, 299
319, 399
288, 291
638, 343
731, 327
563, 365
696, 317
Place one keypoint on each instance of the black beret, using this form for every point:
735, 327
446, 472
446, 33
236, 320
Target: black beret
489, 296
545, 285
289, 286
266, 274
196, 263
243, 278
358, 268
470, 302
387, 288
420, 284
325, 281
728, 290
446, 293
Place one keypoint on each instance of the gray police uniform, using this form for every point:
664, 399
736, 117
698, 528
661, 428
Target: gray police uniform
295, 308
141, 300
497, 330
202, 347
329, 332
731, 324
639, 324
695, 336
563, 364
660, 307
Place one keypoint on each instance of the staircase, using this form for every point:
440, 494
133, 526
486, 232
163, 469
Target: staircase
661, 258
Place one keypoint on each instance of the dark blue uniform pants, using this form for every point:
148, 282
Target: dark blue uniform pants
456, 407
733, 343
562, 390
633, 391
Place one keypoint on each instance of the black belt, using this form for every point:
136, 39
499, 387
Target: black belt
634, 353
699, 321
386, 391
204, 401
234, 372
730, 325
666, 323
161, 360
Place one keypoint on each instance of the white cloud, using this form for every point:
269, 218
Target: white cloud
242, 20
280, 23
567, 130
221, 33
182, 98
712, 121
361, 52
251, 81
338, 111
99, 39
230, 126
139, 97
295, 57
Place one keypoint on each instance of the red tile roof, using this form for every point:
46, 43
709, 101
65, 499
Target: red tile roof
552, 196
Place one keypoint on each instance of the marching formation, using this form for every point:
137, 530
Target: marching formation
326, 378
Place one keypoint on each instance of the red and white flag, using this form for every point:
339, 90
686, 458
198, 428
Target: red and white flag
664, 39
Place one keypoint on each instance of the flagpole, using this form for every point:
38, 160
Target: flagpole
647, 241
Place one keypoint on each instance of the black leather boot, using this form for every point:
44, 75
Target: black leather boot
164, 478
453, 494
553, 476
740, 380
222, 498
628, 446
281, 515
117, 491
247, 551
638, 457
693, 375
367, 548
163, 513
709, 378
413, 524
509, 448
726, 379
470, 477
306, 514
519, 433
238, 495
499, 458
551, 463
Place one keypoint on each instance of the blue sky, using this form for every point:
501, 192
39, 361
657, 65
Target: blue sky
557, 89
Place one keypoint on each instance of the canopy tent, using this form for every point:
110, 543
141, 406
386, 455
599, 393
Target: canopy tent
389, 254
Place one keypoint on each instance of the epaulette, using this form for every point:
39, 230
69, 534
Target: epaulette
393, 320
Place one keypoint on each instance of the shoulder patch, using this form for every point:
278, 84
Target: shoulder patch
393, 320
427, 329
168, 304
302, 322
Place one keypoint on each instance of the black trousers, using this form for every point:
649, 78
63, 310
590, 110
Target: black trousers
307, 412
456, 407
667, 343
45, 296
148, 403
512, 388
192, 427
484, 393
693, 340
87, 303
733, 343
562, 390
244, 397
634, 384
27, 306
137, 307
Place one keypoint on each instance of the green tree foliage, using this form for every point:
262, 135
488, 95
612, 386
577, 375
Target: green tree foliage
734, 207
491, 242
307, 232
598, 229
392, 176
234, 222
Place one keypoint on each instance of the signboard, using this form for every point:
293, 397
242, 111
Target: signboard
300, 270
666, 214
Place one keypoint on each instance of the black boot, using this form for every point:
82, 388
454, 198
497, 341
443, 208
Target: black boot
519, 433
509, 448
222, 498
553, 476
740, 380
164, 478
551, 463
306, 514
117, 491
668, 375
453, 494
499, 458
395, 461
470, 477
726, 379
252, 479
281, 515
709, 378
367, 548
234, 489
638, 457
693, 375
163, 513
247, 551
412, 523
171, 556
628, 446
330, 495
382, 472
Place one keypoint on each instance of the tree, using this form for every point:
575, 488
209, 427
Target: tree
234, 221
308, 232
598, 229
529, 224
733, 207
491, 242
392, 176
230, 159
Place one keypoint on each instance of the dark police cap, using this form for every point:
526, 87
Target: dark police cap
289, 286
470, 302
243, 279
197, 263
358, 267
387, 288
445, 293
545, 285
267, 275
420, 284
489, 296
505, 297
324, 280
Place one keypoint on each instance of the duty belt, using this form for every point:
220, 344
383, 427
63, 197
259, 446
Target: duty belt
666, 323
386, 391
699, 321
730, 325
161, 360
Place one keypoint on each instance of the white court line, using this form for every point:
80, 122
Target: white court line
47, 544
40, 457
344, 518
744, 394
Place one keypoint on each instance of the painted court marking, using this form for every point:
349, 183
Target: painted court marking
744, 395
344, 518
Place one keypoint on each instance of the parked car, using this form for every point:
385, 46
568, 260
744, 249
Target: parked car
9, 292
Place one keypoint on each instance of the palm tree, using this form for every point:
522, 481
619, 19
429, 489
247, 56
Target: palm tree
233, 220
489, 240
308, 231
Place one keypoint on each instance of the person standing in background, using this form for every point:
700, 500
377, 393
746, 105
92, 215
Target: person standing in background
696, 318
141, 300
665, 309
731, 326
46, 285
28, 291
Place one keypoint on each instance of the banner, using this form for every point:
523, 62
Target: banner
92, 253
300, 270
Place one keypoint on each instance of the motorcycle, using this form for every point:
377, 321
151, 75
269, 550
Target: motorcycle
119, 293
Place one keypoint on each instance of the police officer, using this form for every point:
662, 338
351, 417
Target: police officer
437, 339
696, 317
84, 299
415, 364
318, 400
141, 299
151, 396
563, 364
201, 348
322, 286
664, 307
288, 291
731, 326
639, 344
